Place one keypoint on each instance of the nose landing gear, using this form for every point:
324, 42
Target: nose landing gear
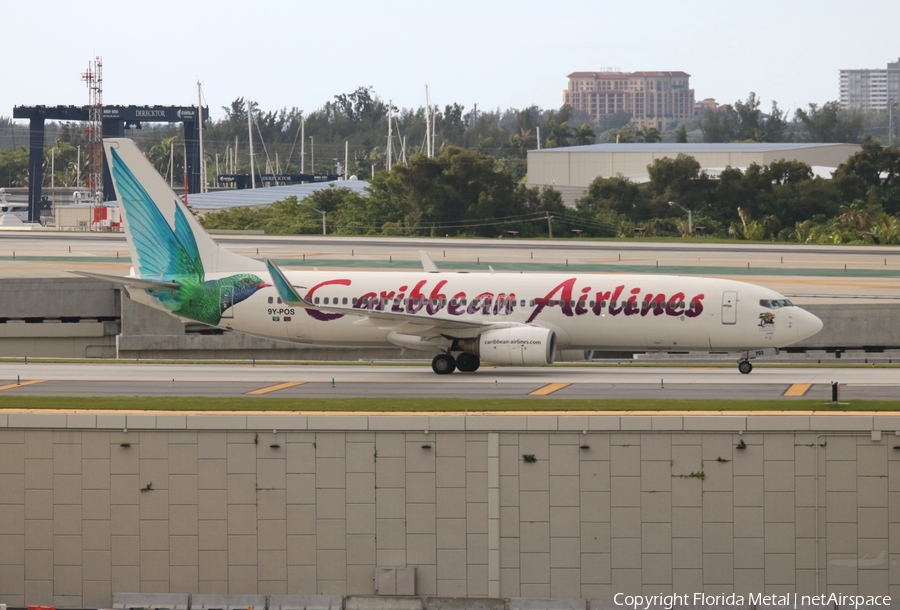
744, 366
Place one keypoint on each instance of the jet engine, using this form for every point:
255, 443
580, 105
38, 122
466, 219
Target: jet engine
515, 346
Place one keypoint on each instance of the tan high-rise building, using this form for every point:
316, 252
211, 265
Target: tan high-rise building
656, 99
870, 89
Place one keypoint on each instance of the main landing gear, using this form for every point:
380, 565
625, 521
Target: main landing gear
744, 366
444, 364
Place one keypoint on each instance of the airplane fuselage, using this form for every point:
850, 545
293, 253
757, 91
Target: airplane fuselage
586, 311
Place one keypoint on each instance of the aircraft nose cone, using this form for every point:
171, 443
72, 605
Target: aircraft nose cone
808, 324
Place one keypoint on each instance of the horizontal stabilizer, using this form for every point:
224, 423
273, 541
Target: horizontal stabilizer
131, 281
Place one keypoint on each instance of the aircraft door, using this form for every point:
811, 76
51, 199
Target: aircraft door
226, 301
729, 307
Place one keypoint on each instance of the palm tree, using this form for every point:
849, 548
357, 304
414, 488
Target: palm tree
523, 141
624, 135
649, 135
560, 133
856, 215
584, 135
885, 229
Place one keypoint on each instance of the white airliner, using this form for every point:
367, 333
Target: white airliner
509, 319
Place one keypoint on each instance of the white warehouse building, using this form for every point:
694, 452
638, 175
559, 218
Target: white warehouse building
571, 170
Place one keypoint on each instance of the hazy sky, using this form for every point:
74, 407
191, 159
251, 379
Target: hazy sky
493, 53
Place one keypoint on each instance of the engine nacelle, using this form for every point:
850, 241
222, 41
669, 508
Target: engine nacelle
515, 346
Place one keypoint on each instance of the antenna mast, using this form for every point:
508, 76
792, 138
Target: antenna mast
93, 78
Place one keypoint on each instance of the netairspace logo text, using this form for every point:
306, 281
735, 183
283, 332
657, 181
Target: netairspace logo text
792, 600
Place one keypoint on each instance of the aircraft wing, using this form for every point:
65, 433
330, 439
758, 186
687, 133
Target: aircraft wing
408, 322
131, 281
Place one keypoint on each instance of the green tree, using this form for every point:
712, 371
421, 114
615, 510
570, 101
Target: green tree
871, 174
719, 125
677, 179
616, 193
13, 168
830, 123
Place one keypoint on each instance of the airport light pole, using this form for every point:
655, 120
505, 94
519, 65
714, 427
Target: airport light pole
690, 217
320, 212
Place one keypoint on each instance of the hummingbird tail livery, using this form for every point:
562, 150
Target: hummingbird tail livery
507, 319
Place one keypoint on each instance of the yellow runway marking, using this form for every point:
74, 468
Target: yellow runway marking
275, 388
798, 389
549, 389
19, 385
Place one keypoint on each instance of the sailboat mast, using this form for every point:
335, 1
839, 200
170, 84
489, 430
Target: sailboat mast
428, 150
250, 134
390, 133
203, 188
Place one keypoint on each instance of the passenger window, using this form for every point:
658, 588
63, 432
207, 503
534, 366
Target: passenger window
344, 301
326, 300
317, 300
354, 300
531, 303
591, 304
271, 299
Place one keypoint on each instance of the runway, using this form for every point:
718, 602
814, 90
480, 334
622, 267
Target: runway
418, 381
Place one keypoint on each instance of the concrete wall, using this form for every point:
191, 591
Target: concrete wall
856, 325
312, 504
57, 298
580, 167
571, 172
76, 318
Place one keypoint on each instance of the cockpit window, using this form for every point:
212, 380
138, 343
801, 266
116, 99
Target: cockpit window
775, 303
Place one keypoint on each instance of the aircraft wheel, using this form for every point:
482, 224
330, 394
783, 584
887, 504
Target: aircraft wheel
745, 367
467, 363
443, 364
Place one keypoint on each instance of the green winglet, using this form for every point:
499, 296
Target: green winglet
283, 286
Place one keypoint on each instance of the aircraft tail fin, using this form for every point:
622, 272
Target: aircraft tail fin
164, 238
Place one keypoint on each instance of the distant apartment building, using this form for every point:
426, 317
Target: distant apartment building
870, 89
655, 99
